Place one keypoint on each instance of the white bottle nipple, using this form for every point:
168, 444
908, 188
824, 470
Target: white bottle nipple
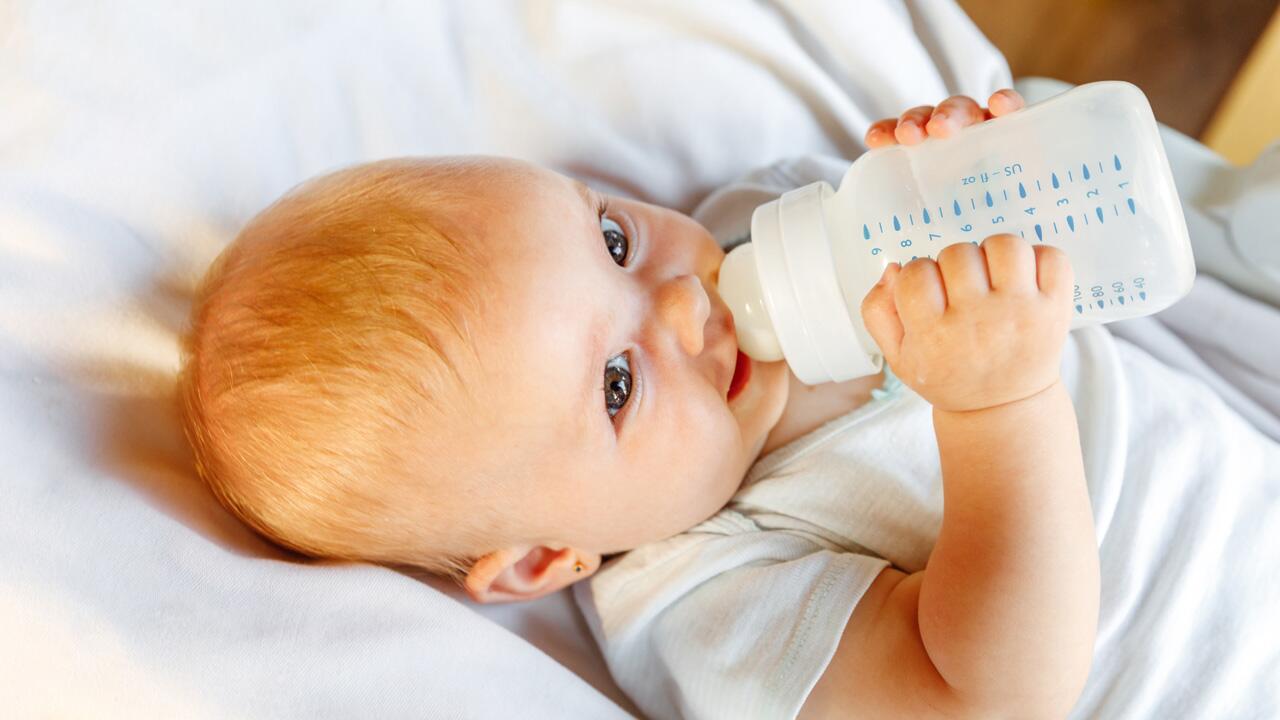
739, 286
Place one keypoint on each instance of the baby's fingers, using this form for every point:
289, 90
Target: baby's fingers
880, 133
910, 129
1003, 102
880, 314
953, 115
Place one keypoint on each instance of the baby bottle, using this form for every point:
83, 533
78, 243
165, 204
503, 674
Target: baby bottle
1084, 171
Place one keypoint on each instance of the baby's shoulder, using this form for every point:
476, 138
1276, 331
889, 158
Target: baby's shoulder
719, 529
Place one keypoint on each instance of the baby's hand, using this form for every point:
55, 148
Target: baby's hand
948, 118
981, 327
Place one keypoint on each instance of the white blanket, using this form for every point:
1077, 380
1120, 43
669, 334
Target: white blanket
137, 137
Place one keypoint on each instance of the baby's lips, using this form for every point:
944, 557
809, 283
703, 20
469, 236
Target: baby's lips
741, 375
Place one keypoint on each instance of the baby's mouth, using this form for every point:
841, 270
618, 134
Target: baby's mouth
741, 375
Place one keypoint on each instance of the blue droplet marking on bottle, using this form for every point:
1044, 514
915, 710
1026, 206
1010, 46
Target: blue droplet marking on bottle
1085, 169
926, 216
1142, 295
955, 205
988, 199
896, 225
1101, 218
866, 233
1071, 222
1022, 191
1117, 161
1079, 309
1121, 300
1039, 233
1131, 208
1054, 176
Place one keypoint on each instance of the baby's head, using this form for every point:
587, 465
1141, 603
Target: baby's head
466, 365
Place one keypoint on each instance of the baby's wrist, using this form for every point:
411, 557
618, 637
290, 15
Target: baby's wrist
1016, 403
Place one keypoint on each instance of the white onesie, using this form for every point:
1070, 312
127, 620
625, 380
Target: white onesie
739, 616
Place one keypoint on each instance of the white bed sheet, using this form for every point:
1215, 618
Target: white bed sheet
137, 137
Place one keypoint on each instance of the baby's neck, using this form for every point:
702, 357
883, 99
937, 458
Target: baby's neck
809, 406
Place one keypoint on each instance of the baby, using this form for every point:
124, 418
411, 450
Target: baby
492, 371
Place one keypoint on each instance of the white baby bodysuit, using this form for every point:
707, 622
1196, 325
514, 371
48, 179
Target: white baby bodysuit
739, 616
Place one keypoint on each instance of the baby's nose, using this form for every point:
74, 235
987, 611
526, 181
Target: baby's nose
683, 305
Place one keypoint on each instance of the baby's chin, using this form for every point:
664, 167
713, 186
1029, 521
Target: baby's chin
760, 403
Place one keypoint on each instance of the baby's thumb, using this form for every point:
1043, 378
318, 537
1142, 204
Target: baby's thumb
880, 314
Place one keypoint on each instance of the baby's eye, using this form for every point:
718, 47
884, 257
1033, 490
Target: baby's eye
617, 383
615, 239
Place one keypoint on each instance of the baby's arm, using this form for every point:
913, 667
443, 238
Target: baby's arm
1001, 623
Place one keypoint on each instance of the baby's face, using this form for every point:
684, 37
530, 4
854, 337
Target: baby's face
586, 318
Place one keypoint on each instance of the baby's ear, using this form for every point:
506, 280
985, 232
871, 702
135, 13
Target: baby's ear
523, 572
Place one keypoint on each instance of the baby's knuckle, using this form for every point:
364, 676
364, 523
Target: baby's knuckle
1054, 262
914, 281
954, 252
917, 274
1004, 242
1053, 257
1050, 253
915, 268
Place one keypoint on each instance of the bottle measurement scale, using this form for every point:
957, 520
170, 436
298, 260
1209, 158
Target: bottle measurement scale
1084, 171
1006, 199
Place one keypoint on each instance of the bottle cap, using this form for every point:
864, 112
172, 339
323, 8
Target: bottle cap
796, 282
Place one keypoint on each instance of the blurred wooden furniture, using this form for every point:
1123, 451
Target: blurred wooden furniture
1184, 54
1249, 117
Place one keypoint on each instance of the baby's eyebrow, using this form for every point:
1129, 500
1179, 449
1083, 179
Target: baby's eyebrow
584, 192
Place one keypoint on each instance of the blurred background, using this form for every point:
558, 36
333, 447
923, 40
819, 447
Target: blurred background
1211, 68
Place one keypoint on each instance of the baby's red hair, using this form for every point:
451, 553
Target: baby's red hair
320, 340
